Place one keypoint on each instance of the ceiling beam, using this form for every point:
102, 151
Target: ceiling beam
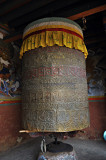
8, 6
79, 7
41, 12
88, 12
57, 8
13, 37
94, 10
18, 12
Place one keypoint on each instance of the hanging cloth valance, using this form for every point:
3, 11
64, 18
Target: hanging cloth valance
53, 31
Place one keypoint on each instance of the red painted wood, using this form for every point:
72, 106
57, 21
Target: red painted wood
10, 124
97, 120
88, 12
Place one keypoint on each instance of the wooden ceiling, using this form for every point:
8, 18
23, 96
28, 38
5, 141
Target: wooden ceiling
16, 14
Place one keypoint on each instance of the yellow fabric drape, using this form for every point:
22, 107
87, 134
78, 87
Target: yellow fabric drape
51, 38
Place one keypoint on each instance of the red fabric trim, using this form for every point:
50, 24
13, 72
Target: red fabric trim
53, 29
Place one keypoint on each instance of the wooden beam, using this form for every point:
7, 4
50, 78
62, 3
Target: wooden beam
57, 8
88, 12
13, 38
11, 5
40, 12
18, 12
82, 6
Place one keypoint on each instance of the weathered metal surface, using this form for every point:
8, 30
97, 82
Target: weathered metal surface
54, 90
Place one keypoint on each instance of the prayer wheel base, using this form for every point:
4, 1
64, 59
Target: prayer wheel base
58, 156
58, 146
58, 151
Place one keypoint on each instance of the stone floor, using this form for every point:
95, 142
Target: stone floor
85, 149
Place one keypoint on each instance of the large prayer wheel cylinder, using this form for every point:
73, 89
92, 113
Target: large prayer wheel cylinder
54, 88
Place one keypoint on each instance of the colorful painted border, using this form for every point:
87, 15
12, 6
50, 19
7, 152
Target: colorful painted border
9, 101
16, 101
96, 98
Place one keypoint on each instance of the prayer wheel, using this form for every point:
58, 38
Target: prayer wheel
54, 85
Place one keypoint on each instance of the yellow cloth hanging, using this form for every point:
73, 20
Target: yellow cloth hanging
51, 38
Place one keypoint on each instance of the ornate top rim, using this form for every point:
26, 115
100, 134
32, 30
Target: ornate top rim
50, 20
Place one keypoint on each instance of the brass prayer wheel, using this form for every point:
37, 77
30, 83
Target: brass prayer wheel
54, 87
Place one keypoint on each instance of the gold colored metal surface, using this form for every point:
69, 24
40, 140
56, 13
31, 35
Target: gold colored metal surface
54, 90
